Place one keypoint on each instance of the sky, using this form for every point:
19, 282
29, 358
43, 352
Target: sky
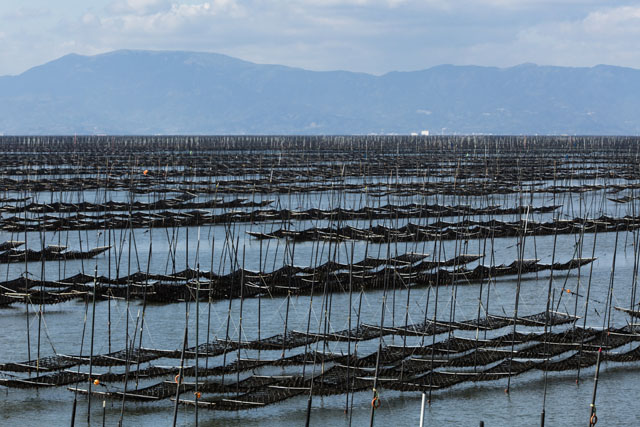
372, 36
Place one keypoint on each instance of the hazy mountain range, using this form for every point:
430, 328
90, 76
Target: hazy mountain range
148, 92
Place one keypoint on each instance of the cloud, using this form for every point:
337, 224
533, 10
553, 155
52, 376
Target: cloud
138, 7
360, 35
612, 22
603, 36
152, 17
333, 3
26, 14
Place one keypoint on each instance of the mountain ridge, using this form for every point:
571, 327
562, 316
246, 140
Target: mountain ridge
180, 92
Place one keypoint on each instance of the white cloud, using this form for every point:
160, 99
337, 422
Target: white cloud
333, 3
160, 16
359, 35
612, 22
26, 13
138, 7
603, 36
89, 19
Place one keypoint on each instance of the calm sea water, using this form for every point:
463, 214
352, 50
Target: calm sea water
60, 330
